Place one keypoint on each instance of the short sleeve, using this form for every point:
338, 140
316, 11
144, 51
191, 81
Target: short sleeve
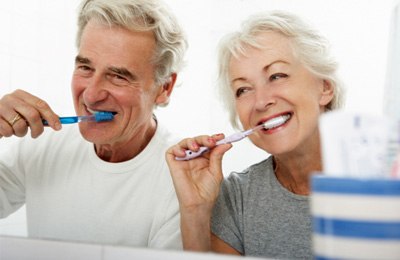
226, 222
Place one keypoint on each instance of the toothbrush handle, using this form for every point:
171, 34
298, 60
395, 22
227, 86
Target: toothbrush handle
230, 139
233, 138
64, 120
191, 155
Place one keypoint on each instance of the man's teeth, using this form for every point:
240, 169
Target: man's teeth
91, 111
276, 121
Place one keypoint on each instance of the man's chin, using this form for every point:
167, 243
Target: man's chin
93, 134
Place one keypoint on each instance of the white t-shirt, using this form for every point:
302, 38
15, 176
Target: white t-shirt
71, 194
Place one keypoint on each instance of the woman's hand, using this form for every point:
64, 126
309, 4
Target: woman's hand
197, 183
20, 111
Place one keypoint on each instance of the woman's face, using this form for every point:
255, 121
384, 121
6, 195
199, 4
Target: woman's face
271, 82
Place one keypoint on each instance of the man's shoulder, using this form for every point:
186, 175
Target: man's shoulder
166, 137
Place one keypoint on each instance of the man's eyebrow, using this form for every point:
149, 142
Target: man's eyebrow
80, 59
123, 72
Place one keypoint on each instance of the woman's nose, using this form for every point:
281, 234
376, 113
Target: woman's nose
264, 98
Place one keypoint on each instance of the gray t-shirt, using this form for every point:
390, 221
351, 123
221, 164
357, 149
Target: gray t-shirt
257, 216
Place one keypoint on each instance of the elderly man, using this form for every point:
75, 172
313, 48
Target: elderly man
107, 182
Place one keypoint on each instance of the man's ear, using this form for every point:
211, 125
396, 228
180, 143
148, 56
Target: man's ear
327, 93
166, 90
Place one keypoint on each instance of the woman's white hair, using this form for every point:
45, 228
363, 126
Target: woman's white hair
141, 15
309, 47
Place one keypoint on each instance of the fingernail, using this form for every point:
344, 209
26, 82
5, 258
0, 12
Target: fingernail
195, 145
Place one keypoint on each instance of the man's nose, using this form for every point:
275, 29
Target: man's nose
96, 90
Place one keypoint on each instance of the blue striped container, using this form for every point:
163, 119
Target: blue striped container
355, 218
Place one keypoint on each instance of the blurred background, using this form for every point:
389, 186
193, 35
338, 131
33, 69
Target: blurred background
37, 51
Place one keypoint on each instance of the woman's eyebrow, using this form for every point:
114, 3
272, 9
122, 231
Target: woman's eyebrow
266, 68
275, 62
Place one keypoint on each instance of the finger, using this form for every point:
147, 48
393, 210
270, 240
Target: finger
193, 147
194, 143
174, 151
5, 128
11, 106
218, 137
34, 109
33, 119
20, 102
16, 126
216, 157
20, 128
9, 119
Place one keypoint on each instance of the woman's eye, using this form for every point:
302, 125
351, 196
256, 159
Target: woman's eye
277, 76
241, 91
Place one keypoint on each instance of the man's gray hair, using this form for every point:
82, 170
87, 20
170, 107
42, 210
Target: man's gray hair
141, 15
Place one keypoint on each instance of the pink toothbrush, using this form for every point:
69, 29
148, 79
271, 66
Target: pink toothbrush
235, 137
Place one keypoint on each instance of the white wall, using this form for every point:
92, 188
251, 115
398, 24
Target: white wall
358, 32
37, 52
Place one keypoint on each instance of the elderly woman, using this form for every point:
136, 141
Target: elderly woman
276, 66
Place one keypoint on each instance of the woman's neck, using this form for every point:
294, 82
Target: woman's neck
294, 170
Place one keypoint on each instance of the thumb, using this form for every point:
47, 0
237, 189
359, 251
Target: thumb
216, 156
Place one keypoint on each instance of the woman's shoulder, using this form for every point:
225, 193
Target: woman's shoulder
254, 171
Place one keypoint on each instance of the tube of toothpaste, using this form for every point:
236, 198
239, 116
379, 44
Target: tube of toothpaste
356, 145
394, 151
391, 104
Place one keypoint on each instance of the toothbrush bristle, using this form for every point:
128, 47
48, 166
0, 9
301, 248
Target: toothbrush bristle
275, 122
104, 116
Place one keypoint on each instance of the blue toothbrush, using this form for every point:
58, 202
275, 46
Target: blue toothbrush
96, 117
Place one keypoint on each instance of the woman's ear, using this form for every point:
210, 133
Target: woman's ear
327, 93
166, 90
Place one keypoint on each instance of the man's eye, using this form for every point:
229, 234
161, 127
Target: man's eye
118, 80
83, 70
119, 77
277, 76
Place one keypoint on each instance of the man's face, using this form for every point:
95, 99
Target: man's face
114, 72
